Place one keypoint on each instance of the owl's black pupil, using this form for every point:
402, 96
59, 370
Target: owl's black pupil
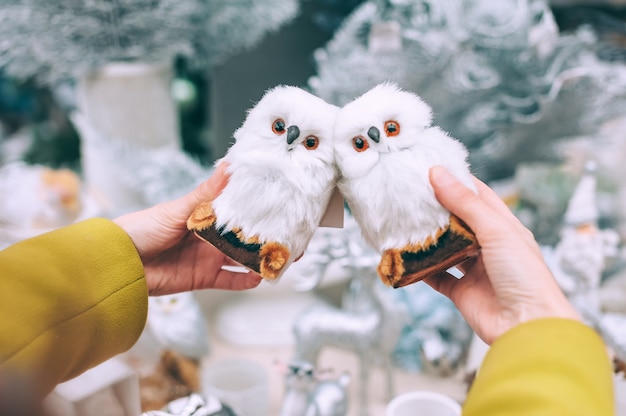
279, 125
391, 128
359, 143
310, 142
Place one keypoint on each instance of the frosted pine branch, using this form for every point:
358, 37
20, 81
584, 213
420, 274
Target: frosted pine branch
51, 40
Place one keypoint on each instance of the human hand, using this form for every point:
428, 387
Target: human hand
508, 283
174, 259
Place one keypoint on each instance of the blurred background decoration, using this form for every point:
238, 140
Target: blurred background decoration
118, 60
500, 77
65, 41
110, 106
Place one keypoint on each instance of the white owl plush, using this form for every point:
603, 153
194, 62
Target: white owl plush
178, 323
384, 146
282, 174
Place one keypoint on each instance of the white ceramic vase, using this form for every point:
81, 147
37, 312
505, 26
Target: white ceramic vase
129, 106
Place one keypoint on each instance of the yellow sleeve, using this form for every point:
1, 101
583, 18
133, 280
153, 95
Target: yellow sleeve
544, 367
69, 300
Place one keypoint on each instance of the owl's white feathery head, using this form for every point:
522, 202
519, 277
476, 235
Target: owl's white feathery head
385, 118
389, 99
292, 122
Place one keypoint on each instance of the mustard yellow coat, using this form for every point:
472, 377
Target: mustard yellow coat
69, 300
72, 298
546, 367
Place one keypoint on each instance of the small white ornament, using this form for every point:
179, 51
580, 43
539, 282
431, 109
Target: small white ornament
385, 145
38, 197
309, 393
281, 178
178, 323
582, 253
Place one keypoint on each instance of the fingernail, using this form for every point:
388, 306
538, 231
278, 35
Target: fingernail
254, 280
441, 176
221, 169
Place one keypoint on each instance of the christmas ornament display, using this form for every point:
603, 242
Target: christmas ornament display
368, 324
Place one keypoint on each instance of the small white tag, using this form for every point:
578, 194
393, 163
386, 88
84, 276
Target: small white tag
455, 272
333, 217
235, 269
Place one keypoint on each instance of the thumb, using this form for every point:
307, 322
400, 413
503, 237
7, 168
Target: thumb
458, 198
207, 190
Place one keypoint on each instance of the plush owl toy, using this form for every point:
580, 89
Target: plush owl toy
282, 174
384, 146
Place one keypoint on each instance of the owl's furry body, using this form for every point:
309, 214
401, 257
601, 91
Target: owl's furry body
385, 181
387, 185
278, 190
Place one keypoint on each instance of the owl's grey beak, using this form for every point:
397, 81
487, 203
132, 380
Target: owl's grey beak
292, 134
374, 134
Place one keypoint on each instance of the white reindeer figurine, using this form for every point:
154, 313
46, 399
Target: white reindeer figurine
370, 327
307, 393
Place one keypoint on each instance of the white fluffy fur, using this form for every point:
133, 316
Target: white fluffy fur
387, 186
278, 191
178, 323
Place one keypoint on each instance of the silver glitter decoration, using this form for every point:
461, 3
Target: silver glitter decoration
369, 327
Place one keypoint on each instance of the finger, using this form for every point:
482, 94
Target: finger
230, 262
467, 264
493, 200
212, 187
443, 283
229, 280
209, 189
460, 200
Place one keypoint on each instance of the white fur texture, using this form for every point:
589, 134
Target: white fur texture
387, 186
279, 191
178, 323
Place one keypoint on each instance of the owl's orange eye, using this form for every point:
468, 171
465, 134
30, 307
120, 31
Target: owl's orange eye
392, 128
360, 144
278, 126
311, 142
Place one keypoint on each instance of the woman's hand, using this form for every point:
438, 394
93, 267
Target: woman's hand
508, 283
174, 259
